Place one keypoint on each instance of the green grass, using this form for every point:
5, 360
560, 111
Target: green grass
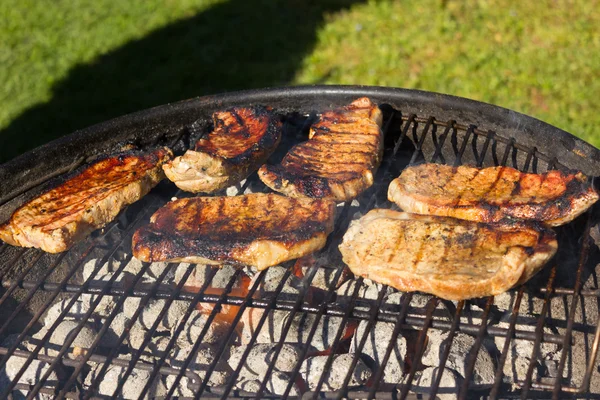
67, 64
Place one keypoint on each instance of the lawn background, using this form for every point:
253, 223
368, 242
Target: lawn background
65, 65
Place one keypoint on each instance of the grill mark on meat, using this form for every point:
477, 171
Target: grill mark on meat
226, 229
496, 194
243, 139
450, 258
328, 167
85, 200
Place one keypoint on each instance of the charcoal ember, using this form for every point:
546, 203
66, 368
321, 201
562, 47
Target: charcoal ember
272, 278
152, 310
324, 277
379, 338
312, 369
151, 274
235, 189
32, 373
449, 384
132, 387
302, 323
136, 335
368, 290
278, 382
251, 385
458, 357
196, 278
106, 305
73, 312
261, 356
115, 330
204, 357
65, 331
193, 328
249, 323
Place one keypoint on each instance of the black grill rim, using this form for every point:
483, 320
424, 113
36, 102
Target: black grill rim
479, 330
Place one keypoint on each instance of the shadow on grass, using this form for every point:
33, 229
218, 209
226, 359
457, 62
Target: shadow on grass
240, 44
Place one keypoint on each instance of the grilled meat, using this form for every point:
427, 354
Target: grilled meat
450, 258
492, 194
338, 161
87, 201
242, 140
255, 229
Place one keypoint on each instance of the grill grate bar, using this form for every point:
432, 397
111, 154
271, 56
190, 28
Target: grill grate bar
105, 326
144, 301
472, 357
204, 331
311, 333
232, 328
338, 336
440, 372
36, 317
585, 247
505, 349
284, 333
538, 330
420, 348
411, 321
397, 327
193, 304
254, 337
148, 335
463, 147
361, 344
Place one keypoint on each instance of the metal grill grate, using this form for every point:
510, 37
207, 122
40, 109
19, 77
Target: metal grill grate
409, 139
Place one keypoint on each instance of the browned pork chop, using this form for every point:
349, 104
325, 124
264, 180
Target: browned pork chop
258, 229
89, 200
492, 194
450, 258
242, 140
338, 161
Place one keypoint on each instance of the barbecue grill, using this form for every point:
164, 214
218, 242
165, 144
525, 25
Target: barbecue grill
94, 323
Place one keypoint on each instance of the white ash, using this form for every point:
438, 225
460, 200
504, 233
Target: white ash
136, 335
75, 312
201, 273
249, 322
131, 389
152, 310
272, 279
115, 330
204, 357
278, 382
248, 385
449, 384
66, 329
365, 292
313, 368
301, 326
261, 355
193, 327
378, 339
323, 279
196, 278
235, 189
461, 348
32, 374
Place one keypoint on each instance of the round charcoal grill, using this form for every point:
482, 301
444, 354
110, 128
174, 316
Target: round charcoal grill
93, 323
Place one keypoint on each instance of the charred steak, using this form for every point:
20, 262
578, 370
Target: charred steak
87, 201
338, 161
450, 258
492, 194
242, 140
258, 229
